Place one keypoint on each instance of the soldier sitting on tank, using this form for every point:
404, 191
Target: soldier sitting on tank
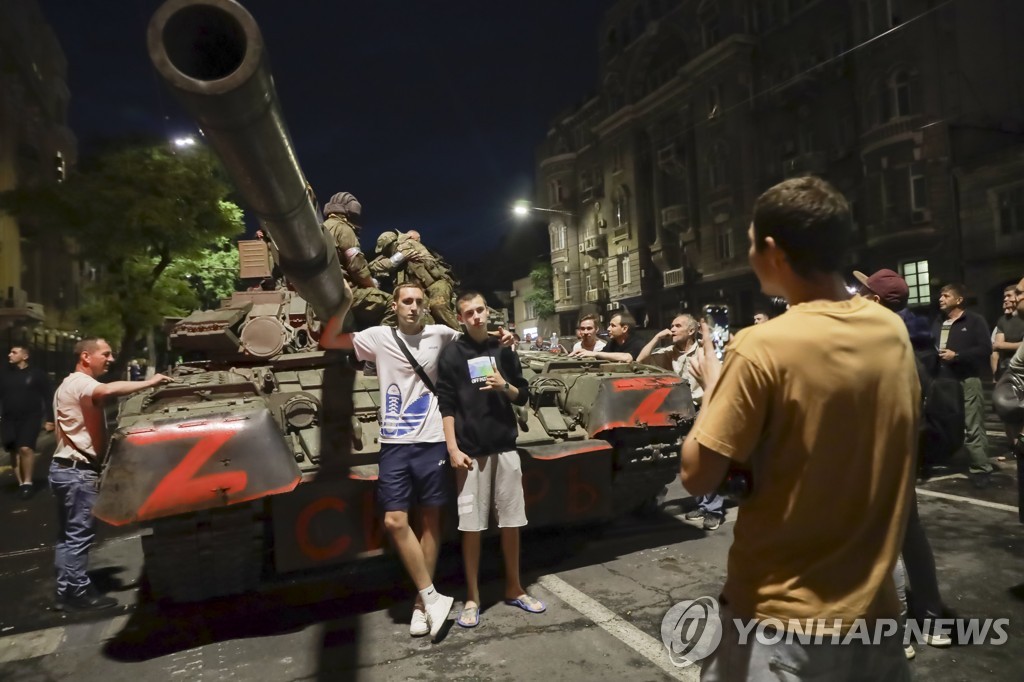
370, 305
404, 254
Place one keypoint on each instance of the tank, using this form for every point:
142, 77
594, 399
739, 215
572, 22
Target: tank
259, 461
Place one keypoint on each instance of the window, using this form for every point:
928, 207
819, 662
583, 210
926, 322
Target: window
622, 266
589, 280
1010, 207
918, 187
717, 166
528, 310
915, 272
567, 290
555, 294
710, 24
555, 192
899, 86
878, 16
714, 101
807, 141
723, 243
621, 208
558, 233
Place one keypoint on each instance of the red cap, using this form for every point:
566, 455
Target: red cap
887, 285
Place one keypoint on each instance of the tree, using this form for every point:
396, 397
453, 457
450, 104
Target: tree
144, 217
542, 297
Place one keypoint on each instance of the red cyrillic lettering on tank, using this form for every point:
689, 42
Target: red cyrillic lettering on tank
181, 488
309, 547
535, 487
373, 531
644, 383
582, 495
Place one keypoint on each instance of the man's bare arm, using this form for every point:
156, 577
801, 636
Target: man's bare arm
121, 388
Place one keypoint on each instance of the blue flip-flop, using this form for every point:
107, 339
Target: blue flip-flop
469, 623
528, 603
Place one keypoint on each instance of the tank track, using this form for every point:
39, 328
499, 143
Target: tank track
635, 489
206, 554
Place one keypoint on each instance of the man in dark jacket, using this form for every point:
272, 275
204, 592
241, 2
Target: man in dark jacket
964, 347
26, 396
478, 382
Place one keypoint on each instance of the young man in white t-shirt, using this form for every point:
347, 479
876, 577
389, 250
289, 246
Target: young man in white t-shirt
413, 463
74, 471
586, 330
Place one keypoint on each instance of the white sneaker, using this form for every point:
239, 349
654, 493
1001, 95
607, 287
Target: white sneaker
909, 651
938, 641
437, 613
418, 625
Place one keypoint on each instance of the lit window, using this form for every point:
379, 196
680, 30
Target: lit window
621, 208
915, 273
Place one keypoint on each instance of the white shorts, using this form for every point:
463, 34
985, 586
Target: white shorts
494, 481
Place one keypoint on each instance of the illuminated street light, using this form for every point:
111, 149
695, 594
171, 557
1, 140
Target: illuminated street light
523, 208
184, 141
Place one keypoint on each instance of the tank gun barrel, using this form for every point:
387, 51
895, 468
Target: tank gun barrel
211, 55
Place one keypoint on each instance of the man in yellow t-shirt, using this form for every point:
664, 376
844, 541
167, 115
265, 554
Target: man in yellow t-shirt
820, 405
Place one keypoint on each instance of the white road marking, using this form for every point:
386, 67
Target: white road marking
627, 633
968, 500
947, 477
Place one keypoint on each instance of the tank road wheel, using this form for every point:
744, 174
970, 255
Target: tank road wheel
205, 554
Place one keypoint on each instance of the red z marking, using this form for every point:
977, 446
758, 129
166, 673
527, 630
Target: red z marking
647, 411
181, 488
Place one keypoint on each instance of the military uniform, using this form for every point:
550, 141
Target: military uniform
405, 255
370, 305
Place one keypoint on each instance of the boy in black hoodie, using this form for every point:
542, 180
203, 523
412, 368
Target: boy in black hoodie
478, 382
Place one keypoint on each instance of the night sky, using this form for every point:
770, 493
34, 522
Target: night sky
429, 112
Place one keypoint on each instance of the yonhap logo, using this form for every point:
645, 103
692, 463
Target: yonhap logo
691, 630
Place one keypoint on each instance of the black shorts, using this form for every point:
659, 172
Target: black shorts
413, 473
20, 432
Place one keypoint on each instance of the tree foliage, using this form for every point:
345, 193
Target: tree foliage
144, 217
542, 297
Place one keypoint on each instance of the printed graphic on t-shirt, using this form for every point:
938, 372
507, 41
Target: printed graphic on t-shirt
398, 422
480, 369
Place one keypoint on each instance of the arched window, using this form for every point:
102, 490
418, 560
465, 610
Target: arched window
899, 89
558, 235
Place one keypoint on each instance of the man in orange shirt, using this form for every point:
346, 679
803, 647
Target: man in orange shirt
827, 432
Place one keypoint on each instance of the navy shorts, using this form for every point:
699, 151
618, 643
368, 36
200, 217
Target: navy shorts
20, 432
413, 472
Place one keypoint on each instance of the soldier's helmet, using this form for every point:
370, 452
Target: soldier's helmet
343, 203
386, 240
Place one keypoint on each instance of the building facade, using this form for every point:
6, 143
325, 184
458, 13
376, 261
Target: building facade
704, 104
39, 283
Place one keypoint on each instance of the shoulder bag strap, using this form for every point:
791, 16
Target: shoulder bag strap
412, 361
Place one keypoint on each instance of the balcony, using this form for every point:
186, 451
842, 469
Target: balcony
672, 278
595, 295
16, 309
896, 130
674, 217
620, 232
595, 245
670, 160
811, 163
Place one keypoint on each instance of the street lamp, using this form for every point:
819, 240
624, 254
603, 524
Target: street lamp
184, 142
523, 208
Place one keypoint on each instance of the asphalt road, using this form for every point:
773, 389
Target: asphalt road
607, 590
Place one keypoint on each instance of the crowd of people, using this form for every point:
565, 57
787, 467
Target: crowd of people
782, 406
